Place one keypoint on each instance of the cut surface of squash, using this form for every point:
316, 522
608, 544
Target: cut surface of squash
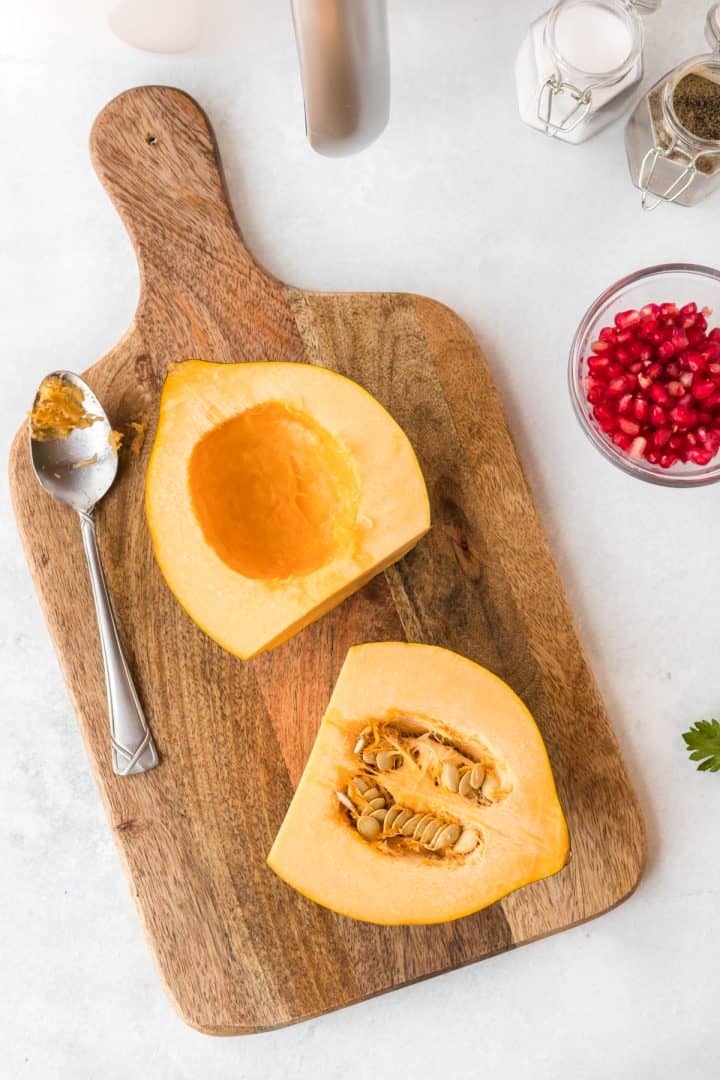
274, 491
427, 796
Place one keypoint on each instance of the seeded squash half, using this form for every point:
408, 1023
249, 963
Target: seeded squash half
427, 796
273, 492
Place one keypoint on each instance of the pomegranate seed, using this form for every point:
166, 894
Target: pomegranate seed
609, 335
659, 394
640, 409
676, 442
600, 347
644, 380
598, 364
638, 447
636, 368
700, 322
625, 320
666, 460
714, 334
700, 457
682, 416
658, 416
615, 371
666, 310
624, 404
652, 457
659, 336
650, 309
679, 340
692, 360
713, 402
702, 388
710, 350
714, 369
648, 326
655, 370
596, 395
661, 436
619, 386
623, 355
691, 440
622, 440
630, 427
675, 389
704, 418
639, 350
688, 309
686, 378
696, 337
666, 349
603, 414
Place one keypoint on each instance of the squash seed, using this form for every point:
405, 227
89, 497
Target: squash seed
430, 832
387, 760
380, 815
446, 837
392, 815
375, 804
449, 777
477, 776
467, 842
409, 827
347, 803
465, 787
402, 819
369, 757
369, 827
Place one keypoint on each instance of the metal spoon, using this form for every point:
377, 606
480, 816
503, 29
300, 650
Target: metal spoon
78, 470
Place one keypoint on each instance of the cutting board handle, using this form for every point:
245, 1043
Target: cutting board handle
156, 155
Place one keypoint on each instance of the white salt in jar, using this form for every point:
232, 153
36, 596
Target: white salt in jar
579, 64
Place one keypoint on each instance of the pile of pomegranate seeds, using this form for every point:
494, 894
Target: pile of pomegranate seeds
654, 384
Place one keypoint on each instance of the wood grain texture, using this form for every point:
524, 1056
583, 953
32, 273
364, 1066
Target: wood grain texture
237, 949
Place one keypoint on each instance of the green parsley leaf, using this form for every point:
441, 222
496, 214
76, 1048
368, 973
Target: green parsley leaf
703, 742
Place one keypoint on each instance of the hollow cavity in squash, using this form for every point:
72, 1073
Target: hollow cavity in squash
428, 794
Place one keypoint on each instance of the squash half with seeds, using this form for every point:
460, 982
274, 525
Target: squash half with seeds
273, 492
427, 796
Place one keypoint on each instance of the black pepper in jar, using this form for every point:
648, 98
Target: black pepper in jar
696, 101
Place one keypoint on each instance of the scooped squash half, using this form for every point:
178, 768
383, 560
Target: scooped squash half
273, 492
428, 794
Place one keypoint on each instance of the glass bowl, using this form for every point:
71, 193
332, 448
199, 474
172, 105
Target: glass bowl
676, 282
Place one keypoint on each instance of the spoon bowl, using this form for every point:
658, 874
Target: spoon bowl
80, 468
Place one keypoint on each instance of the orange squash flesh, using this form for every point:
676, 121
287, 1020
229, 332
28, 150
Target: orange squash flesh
452, 705
275, 494
274, 491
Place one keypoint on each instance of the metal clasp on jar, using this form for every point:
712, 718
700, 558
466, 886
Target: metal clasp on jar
553, 87
680, 184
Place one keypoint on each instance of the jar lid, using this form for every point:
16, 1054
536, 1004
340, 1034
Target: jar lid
712, 27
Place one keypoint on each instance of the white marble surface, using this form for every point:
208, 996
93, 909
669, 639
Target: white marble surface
518, 234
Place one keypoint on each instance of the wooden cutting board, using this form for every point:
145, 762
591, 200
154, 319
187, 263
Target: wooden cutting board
236, 948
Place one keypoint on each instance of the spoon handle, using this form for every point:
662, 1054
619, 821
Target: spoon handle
133, 750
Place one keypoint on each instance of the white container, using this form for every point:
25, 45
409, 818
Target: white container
579, 64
